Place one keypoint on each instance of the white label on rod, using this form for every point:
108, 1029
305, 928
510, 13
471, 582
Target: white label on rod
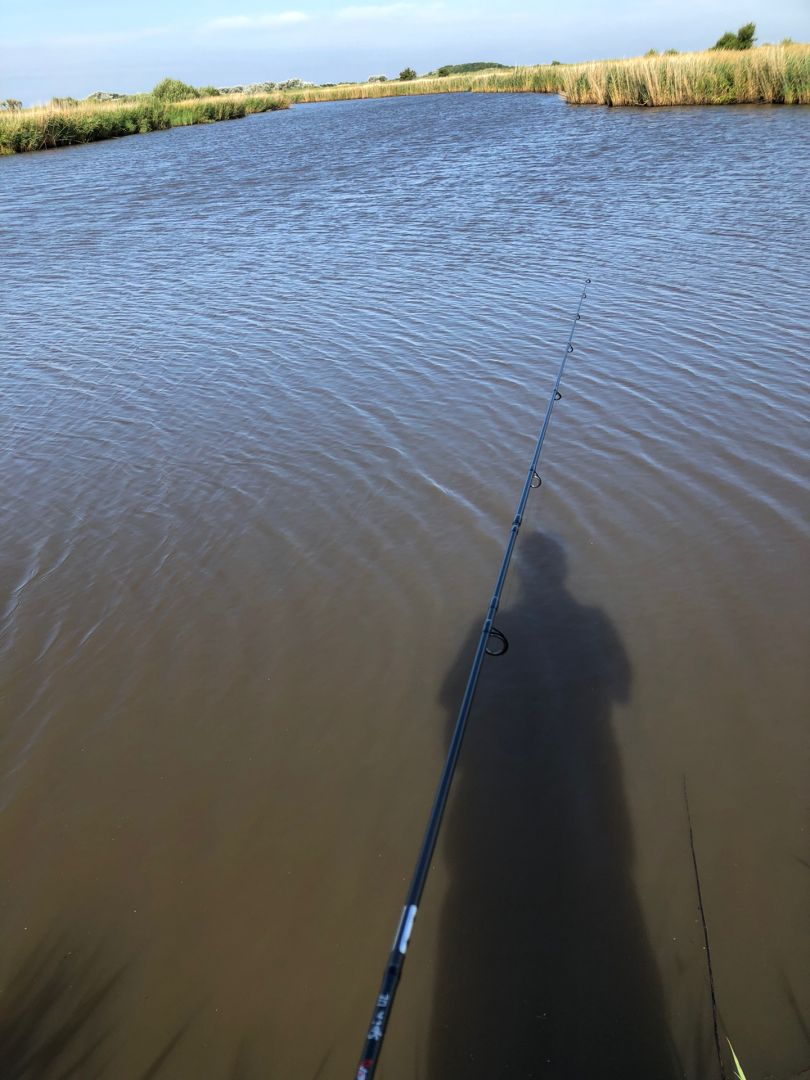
408, 915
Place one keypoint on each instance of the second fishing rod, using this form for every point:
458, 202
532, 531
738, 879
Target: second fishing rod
493, 643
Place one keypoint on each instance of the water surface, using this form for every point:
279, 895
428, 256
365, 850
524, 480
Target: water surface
269, 389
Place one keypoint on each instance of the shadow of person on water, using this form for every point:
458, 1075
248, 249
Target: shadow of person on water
544, 969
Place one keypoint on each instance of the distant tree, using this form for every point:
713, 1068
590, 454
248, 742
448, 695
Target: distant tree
377, 78
651, 52
104, 95
746, 35
671, 52
208, 91
787, 41
556, 63
743, 39
11, 105
174, 90
465, 69
406, 74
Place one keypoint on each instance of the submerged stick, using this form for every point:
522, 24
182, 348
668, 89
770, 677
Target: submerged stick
493, 643
705, 937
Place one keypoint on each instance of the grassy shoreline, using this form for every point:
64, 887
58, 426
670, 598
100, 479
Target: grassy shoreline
770, 74
47, 127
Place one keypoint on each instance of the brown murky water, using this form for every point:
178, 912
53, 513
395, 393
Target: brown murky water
268, 394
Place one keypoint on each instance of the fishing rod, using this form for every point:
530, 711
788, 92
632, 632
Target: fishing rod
492, 642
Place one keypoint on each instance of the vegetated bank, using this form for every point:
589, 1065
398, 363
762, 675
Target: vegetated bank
768, 74
82, 122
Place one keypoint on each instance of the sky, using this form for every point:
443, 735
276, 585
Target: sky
53, 48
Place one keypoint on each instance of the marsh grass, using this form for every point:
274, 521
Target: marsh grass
451, 84
773, 74
68, 125
770, 74
542, 79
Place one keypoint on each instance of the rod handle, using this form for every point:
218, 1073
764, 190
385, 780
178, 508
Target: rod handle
385, 999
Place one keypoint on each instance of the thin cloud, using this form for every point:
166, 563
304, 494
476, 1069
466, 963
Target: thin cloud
375, 12
275, 21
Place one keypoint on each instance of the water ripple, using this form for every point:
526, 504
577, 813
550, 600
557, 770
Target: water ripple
268, 395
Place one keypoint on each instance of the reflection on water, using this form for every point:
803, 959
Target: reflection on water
267, 394
545, 969
59, 1016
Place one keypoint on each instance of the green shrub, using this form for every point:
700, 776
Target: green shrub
174, 90
743, 39
208, 91
746, 35
406, 74
727, 41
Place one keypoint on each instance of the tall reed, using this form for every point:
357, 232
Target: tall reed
43, 128
773, 74
543, 79
451, 84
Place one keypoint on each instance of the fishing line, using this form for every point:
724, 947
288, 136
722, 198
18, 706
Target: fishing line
492, 642
705, 937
